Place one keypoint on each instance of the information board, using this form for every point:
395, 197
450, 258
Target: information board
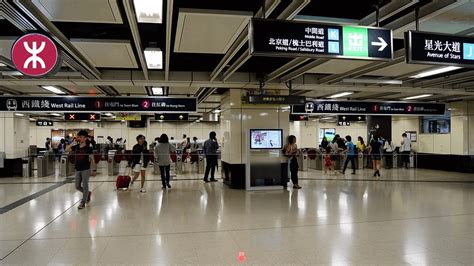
95, 104
439, 49
372, 108
305, 39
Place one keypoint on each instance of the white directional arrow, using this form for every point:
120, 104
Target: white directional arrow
382, 44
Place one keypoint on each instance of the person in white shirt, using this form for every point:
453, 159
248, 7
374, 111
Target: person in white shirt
388, 148
405, 149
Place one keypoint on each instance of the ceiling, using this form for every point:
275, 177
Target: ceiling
205, 48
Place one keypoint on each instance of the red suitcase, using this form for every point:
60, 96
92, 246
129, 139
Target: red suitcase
123, 181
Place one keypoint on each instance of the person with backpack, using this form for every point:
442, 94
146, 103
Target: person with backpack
163, 153
139, 161
351, 155
84, 162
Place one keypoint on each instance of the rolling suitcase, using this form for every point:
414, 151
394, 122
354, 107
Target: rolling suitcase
123, 181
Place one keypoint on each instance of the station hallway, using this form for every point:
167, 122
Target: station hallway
328, 222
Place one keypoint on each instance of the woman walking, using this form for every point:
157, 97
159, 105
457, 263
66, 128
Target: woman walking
291, 151
375, 150
163, 153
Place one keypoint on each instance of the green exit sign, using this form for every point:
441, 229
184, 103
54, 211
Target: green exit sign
356, 41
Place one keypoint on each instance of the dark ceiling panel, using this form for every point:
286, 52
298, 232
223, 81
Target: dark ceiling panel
341, 9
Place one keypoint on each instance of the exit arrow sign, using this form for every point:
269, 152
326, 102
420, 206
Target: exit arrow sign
382, 44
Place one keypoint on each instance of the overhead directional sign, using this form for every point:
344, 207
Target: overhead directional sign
305, 39
172, 117
82, 116
371, 108
275, 99
439, 49
44, 123
102, 104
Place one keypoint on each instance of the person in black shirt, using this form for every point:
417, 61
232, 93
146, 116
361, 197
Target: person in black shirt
140, 159
47, 144
210, 150
324, 143
82, 153
375, 150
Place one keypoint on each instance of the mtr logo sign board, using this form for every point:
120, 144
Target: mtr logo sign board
304, 39
35, 55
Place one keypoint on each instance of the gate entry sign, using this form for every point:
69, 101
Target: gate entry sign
305, 39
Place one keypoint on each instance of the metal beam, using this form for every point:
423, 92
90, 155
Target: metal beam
132, 21
38, 18
301, 70
169, 29
243, 38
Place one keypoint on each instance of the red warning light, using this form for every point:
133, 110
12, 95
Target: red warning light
242, 256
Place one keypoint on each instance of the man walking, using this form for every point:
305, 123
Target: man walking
210, 150
84, 159
351, 155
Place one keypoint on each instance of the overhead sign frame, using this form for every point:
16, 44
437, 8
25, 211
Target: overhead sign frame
370, 108
76, 104
371, 42
410, 35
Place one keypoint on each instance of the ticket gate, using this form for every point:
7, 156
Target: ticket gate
303, 161
66, 168
112, 165
179, 161
201, 163
45, 163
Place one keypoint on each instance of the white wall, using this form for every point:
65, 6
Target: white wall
457, 142
116, 130
14, 135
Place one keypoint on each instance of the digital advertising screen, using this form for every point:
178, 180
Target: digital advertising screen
266, 139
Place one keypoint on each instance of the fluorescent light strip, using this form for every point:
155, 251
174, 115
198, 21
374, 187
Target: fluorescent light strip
18, 114
53, 89
342, 94
56, 114
374, 81
418, 96
154, 58
149, 11
2, 65
435, 72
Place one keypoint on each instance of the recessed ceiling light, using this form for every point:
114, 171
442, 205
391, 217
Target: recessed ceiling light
108, 114
56, 114
149, 11
435, 72
216, 111
342, 94
418, 96
18, 114
157, 91
53, 89
32, 119
2, 65
154, 58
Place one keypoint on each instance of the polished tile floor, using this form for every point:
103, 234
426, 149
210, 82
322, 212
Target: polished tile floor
329, 222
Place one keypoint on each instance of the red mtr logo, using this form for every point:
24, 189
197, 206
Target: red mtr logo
35, 55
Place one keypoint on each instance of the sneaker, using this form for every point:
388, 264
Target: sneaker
81, 206
89, 197
142, 190
168, 185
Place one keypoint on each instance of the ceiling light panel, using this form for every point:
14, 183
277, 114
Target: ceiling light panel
435, 72
149, 11
154, 58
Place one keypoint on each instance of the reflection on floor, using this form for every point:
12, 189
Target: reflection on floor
327, 222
